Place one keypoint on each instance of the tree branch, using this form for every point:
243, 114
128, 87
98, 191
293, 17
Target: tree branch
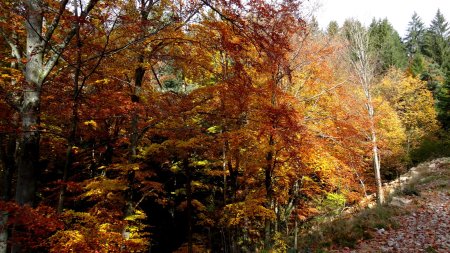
60, 48
15, 49
156, 77
55, 23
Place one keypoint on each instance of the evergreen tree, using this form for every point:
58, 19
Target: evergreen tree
333, 28
434, 77
436, 41
387, 45
417, 65
415, 35
313, 25
443, 103
437, 49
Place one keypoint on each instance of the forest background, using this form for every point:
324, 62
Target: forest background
195, 126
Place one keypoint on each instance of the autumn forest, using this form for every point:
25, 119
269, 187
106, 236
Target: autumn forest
205, 126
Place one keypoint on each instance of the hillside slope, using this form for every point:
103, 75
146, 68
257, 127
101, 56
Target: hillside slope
424, 223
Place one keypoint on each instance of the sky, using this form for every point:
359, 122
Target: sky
398, 12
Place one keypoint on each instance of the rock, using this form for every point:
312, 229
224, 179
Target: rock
381, 231
414, 173
385, 249
400, 202
404, 178
432, 166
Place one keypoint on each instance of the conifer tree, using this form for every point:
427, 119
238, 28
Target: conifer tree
333, 28
386, 45
438, 50
436, 41
415, 35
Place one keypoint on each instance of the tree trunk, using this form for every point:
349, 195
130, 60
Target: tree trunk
139, 74
74, 118
376, 155
361, 182
28, 148
7, 166
234, 173
295, 234
187, 170
3, 232
69, 155
35, 72
224, 170
362, 62
376, 166
134, 138
27, 154
269, 192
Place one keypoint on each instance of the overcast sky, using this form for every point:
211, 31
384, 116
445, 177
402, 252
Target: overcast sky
398, 12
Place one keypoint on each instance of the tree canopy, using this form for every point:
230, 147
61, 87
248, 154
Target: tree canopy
203, 126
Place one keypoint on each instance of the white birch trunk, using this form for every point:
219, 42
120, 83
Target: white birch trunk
363, 65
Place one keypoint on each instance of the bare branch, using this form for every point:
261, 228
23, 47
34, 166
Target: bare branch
55, 23
60, 48
156, 77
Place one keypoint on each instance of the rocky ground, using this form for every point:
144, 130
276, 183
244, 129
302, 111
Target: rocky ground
424, 225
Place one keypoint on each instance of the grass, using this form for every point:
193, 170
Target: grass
430, 249
410, 190
440, 180
347, 232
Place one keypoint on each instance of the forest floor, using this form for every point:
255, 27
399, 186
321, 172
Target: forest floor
423, 225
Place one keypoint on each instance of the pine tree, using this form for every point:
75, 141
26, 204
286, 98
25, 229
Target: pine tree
437, 49
387, 45
417, 65
415, 37
436, 41
444, 103
333, 28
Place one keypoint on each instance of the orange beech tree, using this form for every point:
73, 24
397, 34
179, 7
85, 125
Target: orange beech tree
322, 87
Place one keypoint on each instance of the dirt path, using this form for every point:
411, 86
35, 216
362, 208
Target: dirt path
425, 226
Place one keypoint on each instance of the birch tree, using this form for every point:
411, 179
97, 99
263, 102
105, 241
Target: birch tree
362, 63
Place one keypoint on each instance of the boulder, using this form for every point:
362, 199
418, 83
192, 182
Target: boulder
400, 202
